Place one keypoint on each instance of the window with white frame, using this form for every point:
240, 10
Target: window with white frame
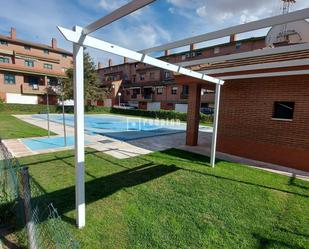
4, 60
174, 90
159, 90
48, 66
217, 50
29, 63
9, 78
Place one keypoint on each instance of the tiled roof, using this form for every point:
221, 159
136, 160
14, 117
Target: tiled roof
33, 44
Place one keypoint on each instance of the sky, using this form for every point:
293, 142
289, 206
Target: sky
161, 22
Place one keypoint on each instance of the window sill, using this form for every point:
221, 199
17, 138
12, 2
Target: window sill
282, 119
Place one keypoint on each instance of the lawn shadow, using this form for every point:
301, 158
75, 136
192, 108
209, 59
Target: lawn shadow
100, 188
293, 182
199, 159
265, 243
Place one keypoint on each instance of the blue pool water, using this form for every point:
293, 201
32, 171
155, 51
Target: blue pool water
48, 143
119, 127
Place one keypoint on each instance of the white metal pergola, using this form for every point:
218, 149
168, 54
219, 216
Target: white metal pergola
80, 38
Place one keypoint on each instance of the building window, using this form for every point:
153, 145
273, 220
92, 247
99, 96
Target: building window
9, 78
27, 47
4, 60
134, 78
64, 55
238, 45
33, 80
198, 53
3, 42
283, 110
167, 75
159, 90
48, 66
217, 50
152, 75
185, 90
51, 81
174, 90
142, 77
46, 51
29, 63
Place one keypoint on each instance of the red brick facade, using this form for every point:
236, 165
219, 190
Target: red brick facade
193, 118
246, 126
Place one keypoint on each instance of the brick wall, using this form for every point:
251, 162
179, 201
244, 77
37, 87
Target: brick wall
246, 127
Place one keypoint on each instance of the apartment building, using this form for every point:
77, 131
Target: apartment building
27, 69
151, 88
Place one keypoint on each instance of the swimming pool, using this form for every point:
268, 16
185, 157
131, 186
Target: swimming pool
45, 143
120, 127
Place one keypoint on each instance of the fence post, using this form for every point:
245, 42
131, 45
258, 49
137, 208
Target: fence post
26, 199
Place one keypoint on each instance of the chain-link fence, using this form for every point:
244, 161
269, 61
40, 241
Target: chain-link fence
23, 203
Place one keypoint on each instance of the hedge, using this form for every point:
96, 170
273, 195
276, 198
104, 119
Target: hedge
27, 108
161, 114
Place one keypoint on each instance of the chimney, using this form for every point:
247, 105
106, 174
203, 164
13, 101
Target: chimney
100, 65
110, 62
125, 60
54, 43
13, 33
192, 47
167, 52
232, 37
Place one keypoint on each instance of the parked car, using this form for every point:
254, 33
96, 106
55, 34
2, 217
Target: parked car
125, 106
207, 110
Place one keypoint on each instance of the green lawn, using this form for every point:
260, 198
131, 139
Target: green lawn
11, 127
173, 199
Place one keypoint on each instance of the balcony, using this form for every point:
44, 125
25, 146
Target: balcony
184, 95
33, 89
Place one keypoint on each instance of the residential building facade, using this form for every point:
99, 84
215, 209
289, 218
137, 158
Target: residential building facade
151, 88
27, 69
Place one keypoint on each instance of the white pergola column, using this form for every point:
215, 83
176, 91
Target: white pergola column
78, 57
215, 126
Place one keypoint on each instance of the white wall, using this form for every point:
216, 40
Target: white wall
153, 106
69, 102
181, 107
17, 98
108, 102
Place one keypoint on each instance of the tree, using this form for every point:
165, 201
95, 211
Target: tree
93, 89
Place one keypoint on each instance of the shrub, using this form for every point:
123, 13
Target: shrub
161, 114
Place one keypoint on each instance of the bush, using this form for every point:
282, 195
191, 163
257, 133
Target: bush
25, 108
161, 114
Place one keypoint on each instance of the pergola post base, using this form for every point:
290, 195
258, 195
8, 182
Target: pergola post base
193, 114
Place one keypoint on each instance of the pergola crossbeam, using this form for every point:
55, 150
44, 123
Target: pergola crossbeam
255, 53
251, 26
82, 40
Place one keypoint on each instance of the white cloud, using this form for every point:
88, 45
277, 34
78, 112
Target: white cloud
112, 5
216, 12
201, 11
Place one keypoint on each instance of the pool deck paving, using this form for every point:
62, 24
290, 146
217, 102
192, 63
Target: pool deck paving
141, 146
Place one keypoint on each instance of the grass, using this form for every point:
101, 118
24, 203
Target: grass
11, 127
173, 199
